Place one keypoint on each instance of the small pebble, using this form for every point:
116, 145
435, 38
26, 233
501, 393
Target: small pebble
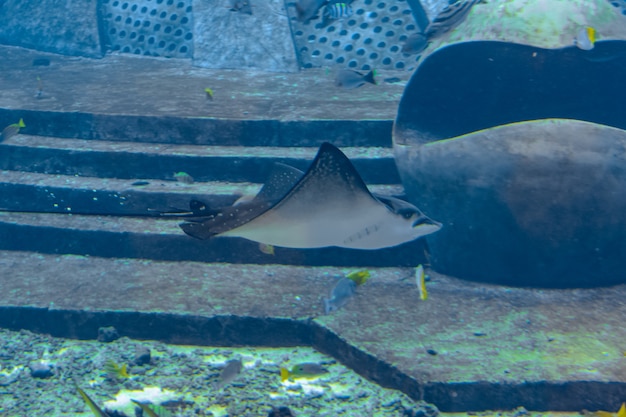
431, 352
107, 334
40, 369
280, 412
142, 355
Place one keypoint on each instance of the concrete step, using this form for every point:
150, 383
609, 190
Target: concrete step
34, 192
128, 160
162, 239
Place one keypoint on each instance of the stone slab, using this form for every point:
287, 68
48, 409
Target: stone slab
91, 158
224, 38
59, 26
468, 346
117, 98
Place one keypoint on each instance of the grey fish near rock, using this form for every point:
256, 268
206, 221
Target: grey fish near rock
307, 9
230, 372
353, 79
341, 293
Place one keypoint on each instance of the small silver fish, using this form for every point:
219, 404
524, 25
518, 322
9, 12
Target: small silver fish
415, 44
307, 9
585, 38
340, 295
353, 79
242, 6
230, 372
183, 177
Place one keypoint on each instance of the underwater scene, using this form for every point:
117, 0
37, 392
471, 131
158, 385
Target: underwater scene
312, 208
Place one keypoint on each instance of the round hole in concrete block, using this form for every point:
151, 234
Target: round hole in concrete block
340, 60
377, 29
352, 64
184, 20
356, 36
189, 36
157, 27
348, 48
168, 29
328, 56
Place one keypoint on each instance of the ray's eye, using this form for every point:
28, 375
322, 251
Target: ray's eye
406, 213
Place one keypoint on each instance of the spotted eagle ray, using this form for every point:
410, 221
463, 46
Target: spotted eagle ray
329, 205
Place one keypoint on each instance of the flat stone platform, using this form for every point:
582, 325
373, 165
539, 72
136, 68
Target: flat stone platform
102, 124
467, 345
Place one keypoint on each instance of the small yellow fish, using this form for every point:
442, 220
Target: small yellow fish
115, 371
153, 410
183, 177
359, 277
302, 370
420, 278
620, 413
585, 38
266, 248
12, 129
209, 93
39, 88
97, 411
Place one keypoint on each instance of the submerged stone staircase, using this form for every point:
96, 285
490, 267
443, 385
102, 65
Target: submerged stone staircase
119, 160
65, 183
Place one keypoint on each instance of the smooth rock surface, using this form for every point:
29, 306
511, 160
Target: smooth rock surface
59, 26
531, 204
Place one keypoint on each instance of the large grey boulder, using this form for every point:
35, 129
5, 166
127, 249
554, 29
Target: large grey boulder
518, 146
